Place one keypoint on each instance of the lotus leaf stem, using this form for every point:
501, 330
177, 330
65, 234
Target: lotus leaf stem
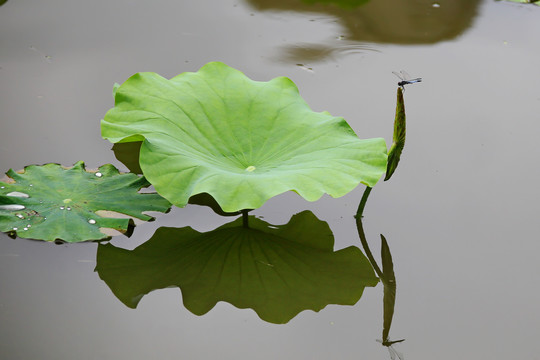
245, 218
362, 205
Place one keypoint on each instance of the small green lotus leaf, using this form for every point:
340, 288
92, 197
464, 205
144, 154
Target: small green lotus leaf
278, 271
218, 132
50, 202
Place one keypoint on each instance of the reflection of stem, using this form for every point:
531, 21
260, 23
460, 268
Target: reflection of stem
388, 280
245, 218
365, 244
362, 205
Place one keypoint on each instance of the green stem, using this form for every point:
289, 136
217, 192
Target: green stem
362, 205
245, 222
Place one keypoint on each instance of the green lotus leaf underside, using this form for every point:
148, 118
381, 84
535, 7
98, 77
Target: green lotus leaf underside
51, 202
278, 271
216, 131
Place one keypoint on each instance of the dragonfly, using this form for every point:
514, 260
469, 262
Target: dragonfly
405, 79
394, 354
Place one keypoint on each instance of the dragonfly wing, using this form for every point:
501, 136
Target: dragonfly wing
398, 75
395, 354
405, 75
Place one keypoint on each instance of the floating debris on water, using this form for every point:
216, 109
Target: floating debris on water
304, 67
47, 58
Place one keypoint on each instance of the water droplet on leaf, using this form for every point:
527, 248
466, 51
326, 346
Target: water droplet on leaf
12, 207
18, 194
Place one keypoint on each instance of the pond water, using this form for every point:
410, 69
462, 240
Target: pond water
460, 214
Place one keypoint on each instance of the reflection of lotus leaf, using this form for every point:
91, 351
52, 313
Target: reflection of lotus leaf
345, 4
526, 1
50, 202
241, 141
376, 22
276, 270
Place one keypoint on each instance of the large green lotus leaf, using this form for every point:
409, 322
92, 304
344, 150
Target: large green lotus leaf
128, 154
241, 141
50, 202
278, 271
